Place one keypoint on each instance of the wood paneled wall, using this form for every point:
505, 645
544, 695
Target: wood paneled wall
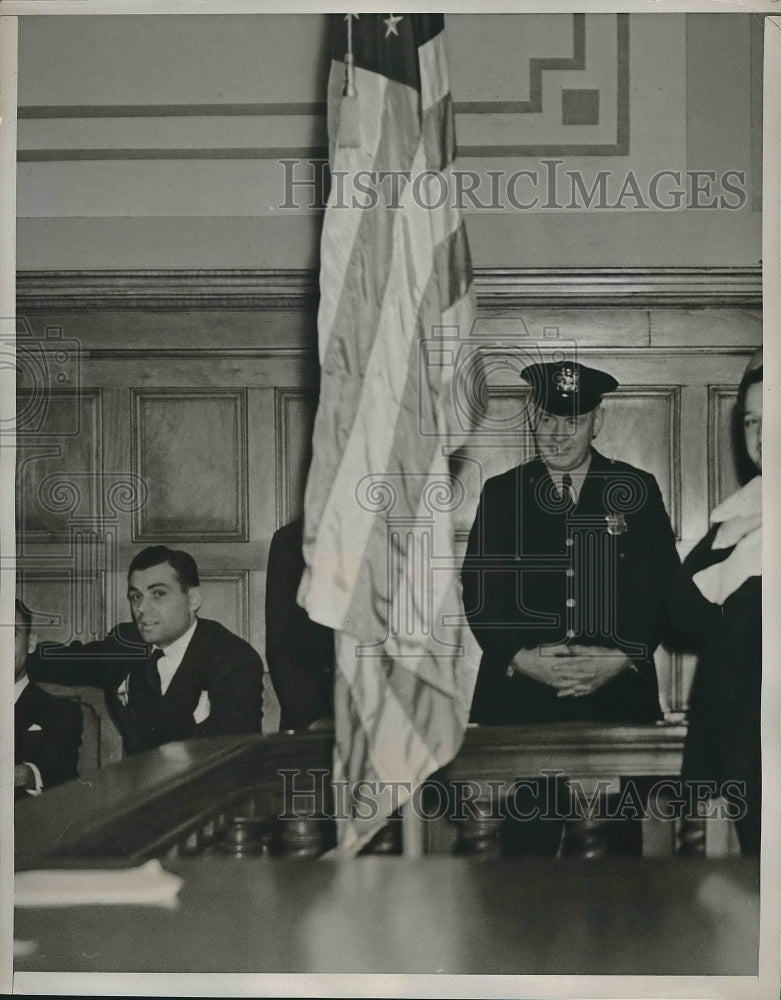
157, 412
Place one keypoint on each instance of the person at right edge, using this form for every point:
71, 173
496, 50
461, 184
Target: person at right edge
716, 603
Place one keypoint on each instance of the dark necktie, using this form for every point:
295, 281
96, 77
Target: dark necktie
567, 493
152, 672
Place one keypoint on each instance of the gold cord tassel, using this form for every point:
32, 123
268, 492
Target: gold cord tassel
350, 111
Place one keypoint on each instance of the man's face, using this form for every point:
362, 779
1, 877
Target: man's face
160, 608
22, 641
752, 423
563, 442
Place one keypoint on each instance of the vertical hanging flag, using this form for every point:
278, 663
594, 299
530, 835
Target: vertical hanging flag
381, 505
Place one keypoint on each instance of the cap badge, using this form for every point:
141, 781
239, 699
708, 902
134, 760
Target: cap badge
566, 380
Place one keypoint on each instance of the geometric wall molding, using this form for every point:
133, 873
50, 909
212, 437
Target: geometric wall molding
723, 478
497, 288
294, 411
226, 598
190, 448
241, 134
60, 486
645, 425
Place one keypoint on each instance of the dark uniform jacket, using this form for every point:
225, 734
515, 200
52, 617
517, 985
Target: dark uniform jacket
537, 574
47, 733
216, 661
300, 652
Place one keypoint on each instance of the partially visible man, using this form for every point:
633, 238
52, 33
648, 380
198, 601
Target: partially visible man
168, 675
299, 652
47, 730
566, 568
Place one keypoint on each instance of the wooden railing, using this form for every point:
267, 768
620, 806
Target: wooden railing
182, 798
229, 795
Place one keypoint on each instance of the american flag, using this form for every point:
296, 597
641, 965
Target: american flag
381, 503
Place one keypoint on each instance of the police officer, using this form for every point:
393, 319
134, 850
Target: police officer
566, 568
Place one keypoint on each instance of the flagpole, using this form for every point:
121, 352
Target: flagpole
411, 831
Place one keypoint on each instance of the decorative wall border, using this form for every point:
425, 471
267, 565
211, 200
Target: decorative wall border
497, 288
538, 66
575, 62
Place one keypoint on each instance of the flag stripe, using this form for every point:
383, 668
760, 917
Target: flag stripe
365, 436
434, 75
384, 148
386, 745
339, 243
410, 474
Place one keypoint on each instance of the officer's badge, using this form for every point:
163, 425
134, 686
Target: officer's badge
566, 380
616, 524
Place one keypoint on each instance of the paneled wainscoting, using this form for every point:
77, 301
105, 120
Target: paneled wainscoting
177, 406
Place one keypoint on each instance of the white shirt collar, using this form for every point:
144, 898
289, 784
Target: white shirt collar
173, 654
19, 686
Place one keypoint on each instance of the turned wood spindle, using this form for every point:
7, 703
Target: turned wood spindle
477, 830
301, 838
246, 836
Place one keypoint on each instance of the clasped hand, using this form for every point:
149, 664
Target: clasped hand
573, 670
23, 776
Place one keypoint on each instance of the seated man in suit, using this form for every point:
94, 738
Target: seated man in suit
299, 652
47, 730
167, 675
567, 564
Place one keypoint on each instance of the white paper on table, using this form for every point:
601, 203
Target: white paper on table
147, 885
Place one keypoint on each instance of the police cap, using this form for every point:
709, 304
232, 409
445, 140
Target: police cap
567, 388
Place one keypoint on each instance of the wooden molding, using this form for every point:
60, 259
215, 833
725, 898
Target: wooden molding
284, 399
497, 288
681, 287
719, 397
144, 528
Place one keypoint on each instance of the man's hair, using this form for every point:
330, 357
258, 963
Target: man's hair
24, 613
182, 564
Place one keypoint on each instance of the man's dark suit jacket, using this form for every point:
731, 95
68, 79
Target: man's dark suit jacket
300, 652
517, 585
54, 746
216, 661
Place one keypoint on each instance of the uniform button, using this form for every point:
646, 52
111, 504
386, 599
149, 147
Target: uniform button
570, 602
570, 541
570, 572
571, 633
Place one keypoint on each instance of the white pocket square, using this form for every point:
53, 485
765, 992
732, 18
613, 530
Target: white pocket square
34, 728
202, 709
